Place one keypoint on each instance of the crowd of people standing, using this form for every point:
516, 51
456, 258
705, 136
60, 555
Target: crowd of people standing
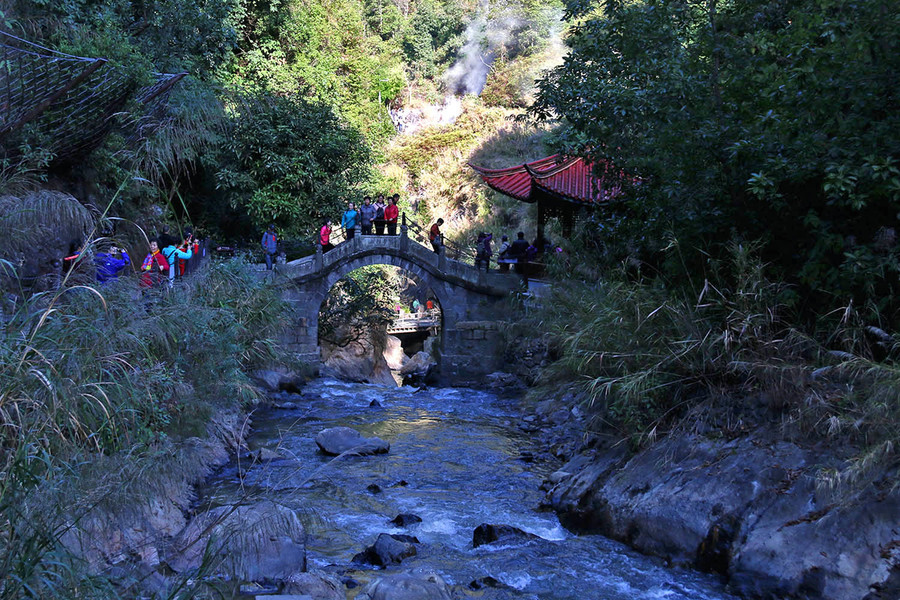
518, 253
381, 217
168, 258
378, 218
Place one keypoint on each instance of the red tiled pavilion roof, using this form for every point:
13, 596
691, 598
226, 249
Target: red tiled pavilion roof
570, 178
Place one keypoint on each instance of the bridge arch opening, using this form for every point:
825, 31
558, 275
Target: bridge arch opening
381, 323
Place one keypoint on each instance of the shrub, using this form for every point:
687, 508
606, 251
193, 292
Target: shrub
109, 376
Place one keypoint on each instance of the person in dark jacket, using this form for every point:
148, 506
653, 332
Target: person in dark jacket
269, 245
518, 251
483, 251
366, 216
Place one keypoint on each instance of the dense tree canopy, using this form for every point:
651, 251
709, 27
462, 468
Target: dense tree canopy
772, 120
290, 161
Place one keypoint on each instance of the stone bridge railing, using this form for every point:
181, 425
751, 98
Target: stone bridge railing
404, 251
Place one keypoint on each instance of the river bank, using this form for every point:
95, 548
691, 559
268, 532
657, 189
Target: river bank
750, 508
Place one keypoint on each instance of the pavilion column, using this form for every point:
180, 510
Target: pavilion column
541, 220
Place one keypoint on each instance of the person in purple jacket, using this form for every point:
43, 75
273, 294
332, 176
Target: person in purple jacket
109, 264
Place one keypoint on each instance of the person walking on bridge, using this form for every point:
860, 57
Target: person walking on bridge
436, 237
269, 245
390, 215
325, 236
366, 216
379, 214
349, 221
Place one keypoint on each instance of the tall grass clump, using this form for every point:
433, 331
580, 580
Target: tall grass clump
719, 355
114, 377
642, 352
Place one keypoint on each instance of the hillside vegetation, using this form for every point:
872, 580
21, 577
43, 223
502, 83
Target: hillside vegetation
754, 260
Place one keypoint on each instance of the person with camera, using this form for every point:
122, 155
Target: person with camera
110, 264
189, 242
173, 254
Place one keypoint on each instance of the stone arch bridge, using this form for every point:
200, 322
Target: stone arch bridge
471, 301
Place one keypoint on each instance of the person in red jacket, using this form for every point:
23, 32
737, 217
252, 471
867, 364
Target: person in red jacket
155, 268
435, 236
189, 242
325, 236
391, 212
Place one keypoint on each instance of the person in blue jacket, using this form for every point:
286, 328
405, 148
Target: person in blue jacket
349, 220
171, 253
109, 264
270, 245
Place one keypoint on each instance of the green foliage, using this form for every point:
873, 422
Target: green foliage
359, 305
433, 35
324, 48
165, 35
290, 161
747, 120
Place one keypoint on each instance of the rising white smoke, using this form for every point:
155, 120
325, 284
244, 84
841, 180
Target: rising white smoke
487, 34
484, 38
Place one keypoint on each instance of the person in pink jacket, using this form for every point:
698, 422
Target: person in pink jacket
325, 236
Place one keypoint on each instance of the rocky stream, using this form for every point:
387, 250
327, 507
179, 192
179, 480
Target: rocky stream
449, 506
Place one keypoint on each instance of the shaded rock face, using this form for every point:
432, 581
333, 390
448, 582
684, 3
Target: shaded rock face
504, 383
338, 440
134, 528
263, 542
746, 509
362, 361
278, 380
405, 519
388, 549
418, 366
38, 230
415, 585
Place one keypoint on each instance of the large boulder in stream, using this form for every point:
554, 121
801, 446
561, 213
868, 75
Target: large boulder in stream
260, 542
388, 549
340, 440
393, 353
418, 367
317, 585
417, 584
278, 380
488, 534
361, 360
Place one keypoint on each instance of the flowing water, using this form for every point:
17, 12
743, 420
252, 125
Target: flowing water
455, 461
